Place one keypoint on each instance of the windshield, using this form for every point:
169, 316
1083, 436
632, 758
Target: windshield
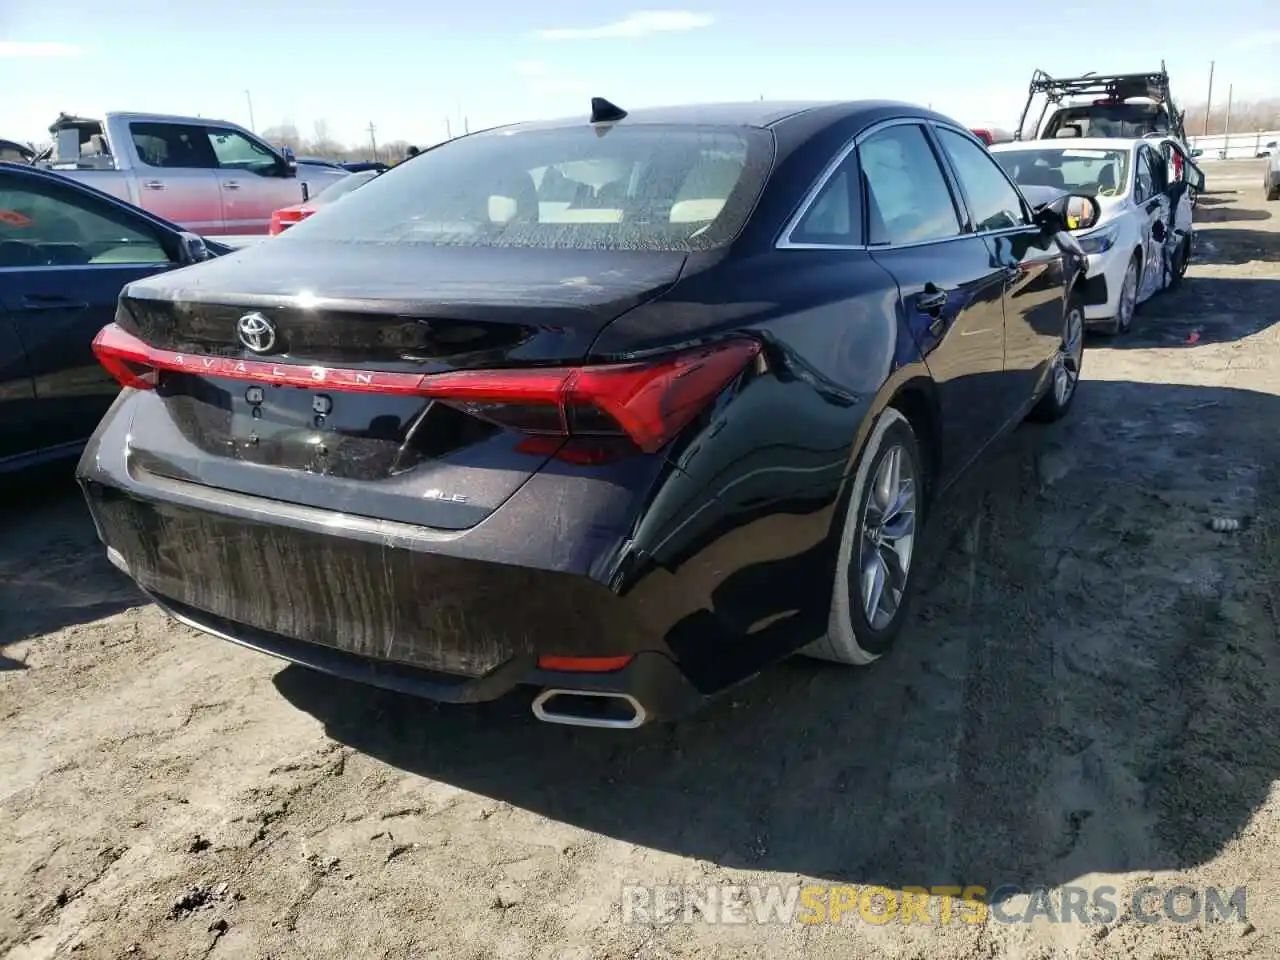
1109, 120
340, 188
1098, 173
641, 187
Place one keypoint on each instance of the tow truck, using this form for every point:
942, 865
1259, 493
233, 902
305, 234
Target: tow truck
1130, 105
1135, 106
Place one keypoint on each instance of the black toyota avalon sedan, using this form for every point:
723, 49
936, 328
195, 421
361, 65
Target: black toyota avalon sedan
623, 407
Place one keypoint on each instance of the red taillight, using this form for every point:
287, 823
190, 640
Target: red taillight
125, 357
649, 401
983, 135
287, 217
584, 664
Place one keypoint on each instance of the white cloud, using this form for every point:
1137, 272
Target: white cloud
26, 48
642, 23
1267, 38
532, 68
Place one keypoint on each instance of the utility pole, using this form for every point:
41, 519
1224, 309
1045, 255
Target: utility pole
373, 140
1226, 130
1208, 103
249, 98
448, 129
466, 127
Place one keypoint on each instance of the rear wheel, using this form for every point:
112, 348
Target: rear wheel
1272, 188
874, 582
1179, 261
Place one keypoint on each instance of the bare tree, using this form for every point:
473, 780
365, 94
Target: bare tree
283, 134
1246, 116
323, 145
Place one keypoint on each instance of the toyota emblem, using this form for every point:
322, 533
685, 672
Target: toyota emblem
256, 332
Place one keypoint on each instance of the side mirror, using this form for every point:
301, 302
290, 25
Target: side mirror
290, 162
192, 249
1197, 152
1072, 211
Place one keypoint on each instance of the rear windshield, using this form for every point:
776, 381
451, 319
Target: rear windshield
642, 187
1094, 172
1109, 120
342, 186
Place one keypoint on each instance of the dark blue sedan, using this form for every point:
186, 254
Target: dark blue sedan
622, 407
66, 251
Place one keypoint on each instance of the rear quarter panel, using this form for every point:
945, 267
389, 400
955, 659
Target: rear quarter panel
768, 464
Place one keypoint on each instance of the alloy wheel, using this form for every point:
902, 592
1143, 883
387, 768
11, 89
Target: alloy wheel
1128, 297
1066, 365
888, 538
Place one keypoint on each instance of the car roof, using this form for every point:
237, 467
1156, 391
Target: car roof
1074, 143
750, 113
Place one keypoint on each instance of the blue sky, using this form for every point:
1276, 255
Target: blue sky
406, 66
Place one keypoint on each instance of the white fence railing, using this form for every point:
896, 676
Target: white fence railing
1236, 146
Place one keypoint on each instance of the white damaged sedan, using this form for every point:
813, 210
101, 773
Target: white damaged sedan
1142, 242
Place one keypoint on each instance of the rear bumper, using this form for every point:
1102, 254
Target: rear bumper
652, 679
458, 616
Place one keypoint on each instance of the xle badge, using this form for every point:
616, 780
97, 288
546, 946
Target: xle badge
445, 497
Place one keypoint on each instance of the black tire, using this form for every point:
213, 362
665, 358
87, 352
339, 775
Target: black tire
1179, 262
852, 637
1273, 191
1117, 326
1067, 362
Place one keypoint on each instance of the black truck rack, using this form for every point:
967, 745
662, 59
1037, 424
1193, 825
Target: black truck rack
1116, 87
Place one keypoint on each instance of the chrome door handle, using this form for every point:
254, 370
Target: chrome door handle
153, 185
232, 185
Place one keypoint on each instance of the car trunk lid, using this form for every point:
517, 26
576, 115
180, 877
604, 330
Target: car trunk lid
279, 385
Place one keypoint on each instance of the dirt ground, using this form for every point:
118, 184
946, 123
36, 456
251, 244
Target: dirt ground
1089, 694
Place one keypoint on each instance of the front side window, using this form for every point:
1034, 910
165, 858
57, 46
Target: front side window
1098, 173
908, 200
42, 225
234, 151
643, 187
172, 145
994, 204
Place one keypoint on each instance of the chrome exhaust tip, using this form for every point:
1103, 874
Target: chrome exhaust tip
589, 708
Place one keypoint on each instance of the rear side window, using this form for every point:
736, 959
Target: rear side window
993, 201
908, 200
1145, 184
835, 216
643, 187
173, 145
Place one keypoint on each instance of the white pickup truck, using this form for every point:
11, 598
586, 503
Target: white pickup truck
211, 177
